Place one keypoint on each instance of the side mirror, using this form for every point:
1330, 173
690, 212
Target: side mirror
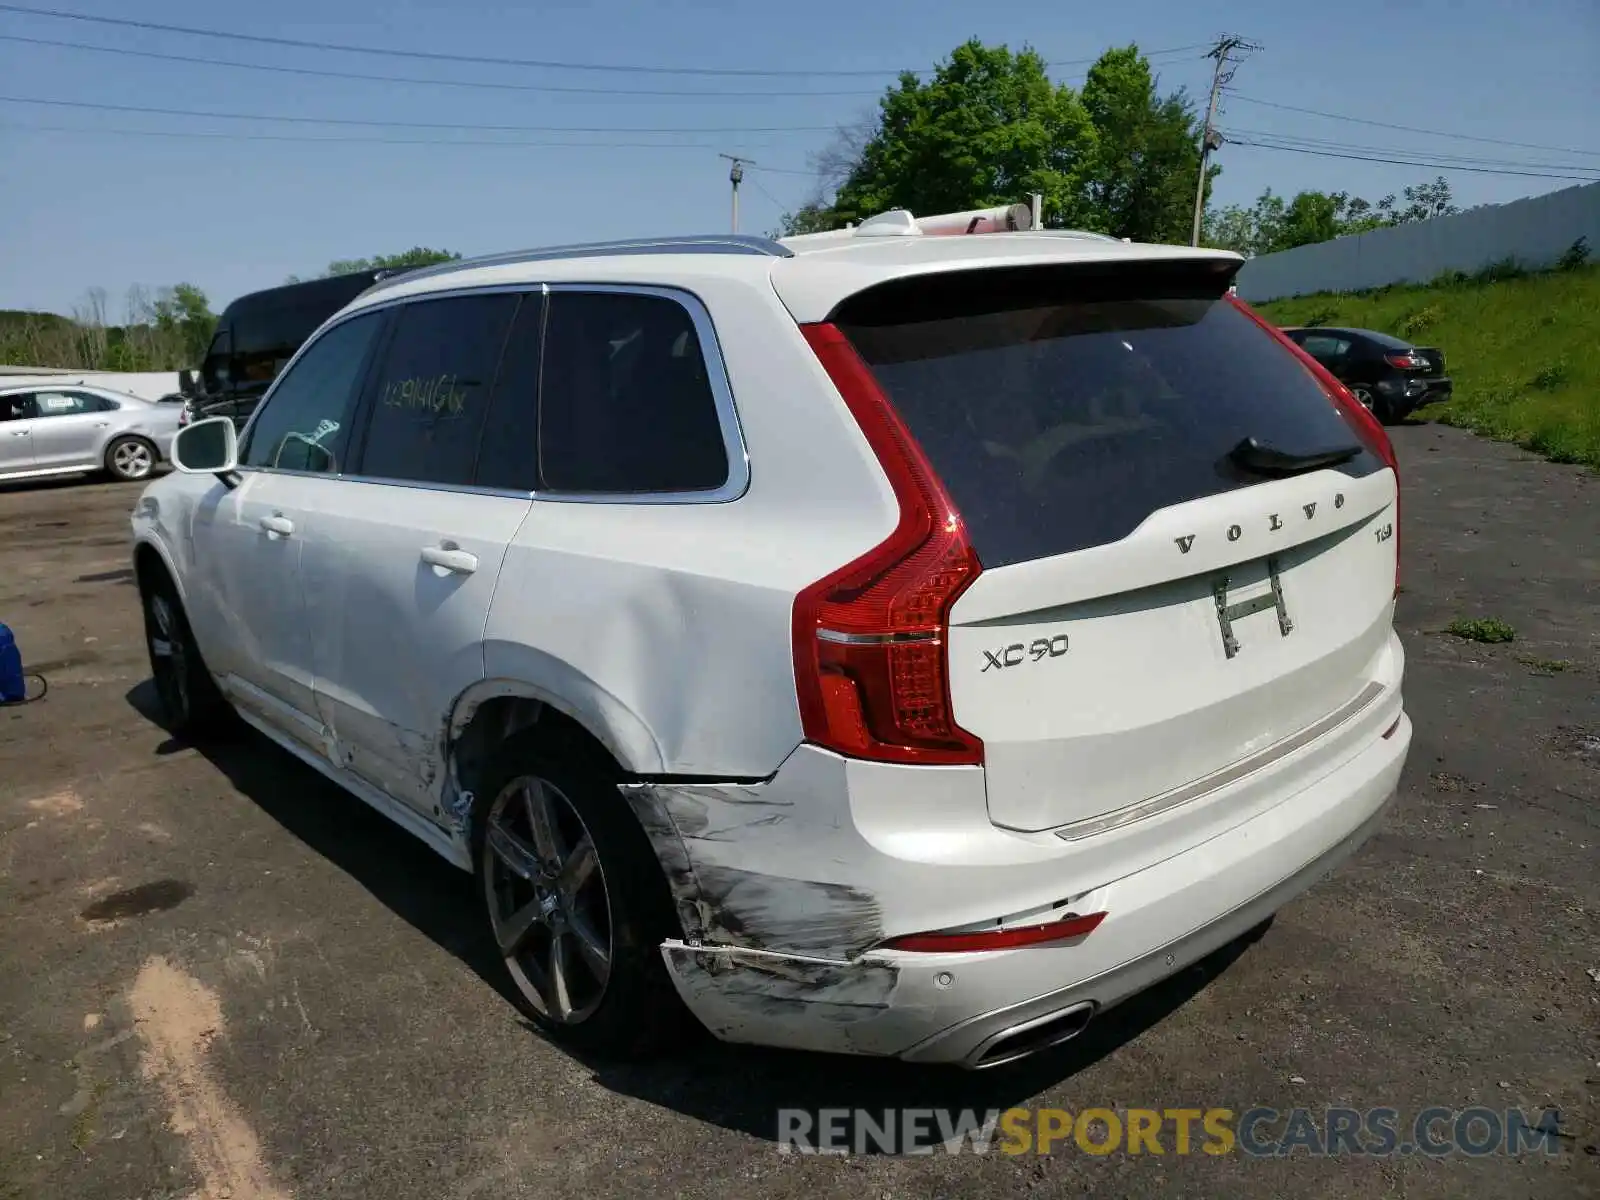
208, 447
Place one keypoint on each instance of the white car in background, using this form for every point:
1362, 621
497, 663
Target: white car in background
71, 428
877, 642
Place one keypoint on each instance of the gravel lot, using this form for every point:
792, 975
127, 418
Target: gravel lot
295, 999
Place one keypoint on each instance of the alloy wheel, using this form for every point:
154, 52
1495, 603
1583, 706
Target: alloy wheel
548, 903
169, 657
132, 460
1364, 396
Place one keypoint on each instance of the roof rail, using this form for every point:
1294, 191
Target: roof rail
704, 243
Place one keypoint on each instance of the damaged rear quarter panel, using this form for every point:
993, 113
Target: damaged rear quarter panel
741, 995
697, 831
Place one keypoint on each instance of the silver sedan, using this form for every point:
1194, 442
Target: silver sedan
67, 429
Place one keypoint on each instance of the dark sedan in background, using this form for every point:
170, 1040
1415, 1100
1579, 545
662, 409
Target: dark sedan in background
1391, 377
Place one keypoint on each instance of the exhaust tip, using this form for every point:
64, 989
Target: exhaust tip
1031, 1037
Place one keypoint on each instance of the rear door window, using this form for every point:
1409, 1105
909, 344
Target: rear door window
1063, 406
1325, 348
70, 404
626, 404
431, 388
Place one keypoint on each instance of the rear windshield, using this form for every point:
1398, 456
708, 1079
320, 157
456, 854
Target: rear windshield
1384, 341
1062, 407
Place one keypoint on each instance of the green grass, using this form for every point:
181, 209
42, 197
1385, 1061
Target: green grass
1546, 666
1482, 629
1523, 349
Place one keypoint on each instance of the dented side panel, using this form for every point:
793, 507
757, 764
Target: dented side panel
395, 640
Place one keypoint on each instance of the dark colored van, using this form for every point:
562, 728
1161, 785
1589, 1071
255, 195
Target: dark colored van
257, 335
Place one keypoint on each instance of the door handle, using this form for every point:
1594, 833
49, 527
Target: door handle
278, 524
450, 558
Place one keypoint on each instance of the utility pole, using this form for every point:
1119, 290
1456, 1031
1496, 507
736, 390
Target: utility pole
1229, 50
736, 177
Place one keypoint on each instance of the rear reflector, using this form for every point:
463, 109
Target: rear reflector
1070, 926
869, 639
1390, 732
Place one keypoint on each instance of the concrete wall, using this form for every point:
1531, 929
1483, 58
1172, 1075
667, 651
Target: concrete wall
1534, 231
148, 385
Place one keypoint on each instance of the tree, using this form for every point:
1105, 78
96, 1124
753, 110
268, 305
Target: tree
183, 310
1426, 201
989, 127
417, 256
1141, 177
814, 217
1272, 224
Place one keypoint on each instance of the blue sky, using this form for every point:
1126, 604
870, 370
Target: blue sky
101, 206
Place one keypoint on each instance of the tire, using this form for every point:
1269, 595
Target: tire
192, 705
131, 459
598, 928
1376, 405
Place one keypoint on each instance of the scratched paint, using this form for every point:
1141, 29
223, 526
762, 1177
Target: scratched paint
739, 993
724, 905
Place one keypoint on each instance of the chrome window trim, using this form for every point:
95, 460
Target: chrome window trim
737, 483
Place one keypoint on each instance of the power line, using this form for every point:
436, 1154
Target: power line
1408, 162
390, 124
1466, 137
441, 56
356, 139
760, 187
778, 170
1469, 159
412, 79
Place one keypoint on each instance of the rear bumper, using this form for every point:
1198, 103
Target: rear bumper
1407, 394
982, 1041
800, 982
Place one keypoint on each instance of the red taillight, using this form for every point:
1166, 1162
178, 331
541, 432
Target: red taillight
869, 639
1070, 926
1406, 361
1368, 428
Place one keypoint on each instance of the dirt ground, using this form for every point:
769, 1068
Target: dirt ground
220, 976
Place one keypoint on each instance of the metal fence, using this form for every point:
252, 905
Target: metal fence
1535, 232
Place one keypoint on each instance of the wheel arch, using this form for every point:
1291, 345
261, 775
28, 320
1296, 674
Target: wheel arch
586, 723
152, 561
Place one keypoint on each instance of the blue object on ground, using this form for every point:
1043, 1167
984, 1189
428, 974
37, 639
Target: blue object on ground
12, 688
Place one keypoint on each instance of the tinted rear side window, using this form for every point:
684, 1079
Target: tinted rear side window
431, 388
625, 403
1061, 408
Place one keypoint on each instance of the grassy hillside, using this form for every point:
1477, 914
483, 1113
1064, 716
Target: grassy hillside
1524, 351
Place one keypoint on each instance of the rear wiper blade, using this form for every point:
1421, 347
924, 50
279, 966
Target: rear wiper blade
1268, 460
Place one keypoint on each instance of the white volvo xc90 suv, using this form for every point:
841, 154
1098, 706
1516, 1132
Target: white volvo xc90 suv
877, 642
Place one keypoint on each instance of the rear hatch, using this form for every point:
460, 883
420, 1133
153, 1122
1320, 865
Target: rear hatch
1157, 605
